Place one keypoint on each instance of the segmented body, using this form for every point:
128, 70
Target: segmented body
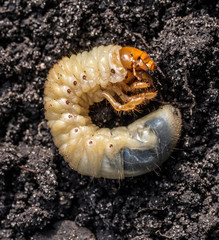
77, 82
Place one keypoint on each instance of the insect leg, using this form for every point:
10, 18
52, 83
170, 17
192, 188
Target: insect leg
119, 92
135, 100
133, 86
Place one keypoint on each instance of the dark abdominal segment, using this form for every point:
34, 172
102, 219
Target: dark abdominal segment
158, 134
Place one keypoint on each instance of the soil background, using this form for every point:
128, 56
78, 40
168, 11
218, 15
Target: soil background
38, 188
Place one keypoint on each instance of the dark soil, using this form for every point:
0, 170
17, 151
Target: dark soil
38, 188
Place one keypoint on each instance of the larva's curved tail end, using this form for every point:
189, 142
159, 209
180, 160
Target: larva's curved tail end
157, 134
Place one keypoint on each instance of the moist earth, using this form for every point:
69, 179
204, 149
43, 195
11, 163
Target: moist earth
37, 187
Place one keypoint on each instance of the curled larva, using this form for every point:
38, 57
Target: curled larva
108, 72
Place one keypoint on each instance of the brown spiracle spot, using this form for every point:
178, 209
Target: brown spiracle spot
69, 116
84, 77
75, 83
113, 71
76, 130
67, 102
69, 91
111, 145
90, 142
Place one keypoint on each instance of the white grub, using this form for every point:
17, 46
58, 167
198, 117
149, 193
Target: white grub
75, 83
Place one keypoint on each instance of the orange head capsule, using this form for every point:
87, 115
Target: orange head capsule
133, 58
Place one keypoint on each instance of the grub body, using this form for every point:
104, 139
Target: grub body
75, 83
